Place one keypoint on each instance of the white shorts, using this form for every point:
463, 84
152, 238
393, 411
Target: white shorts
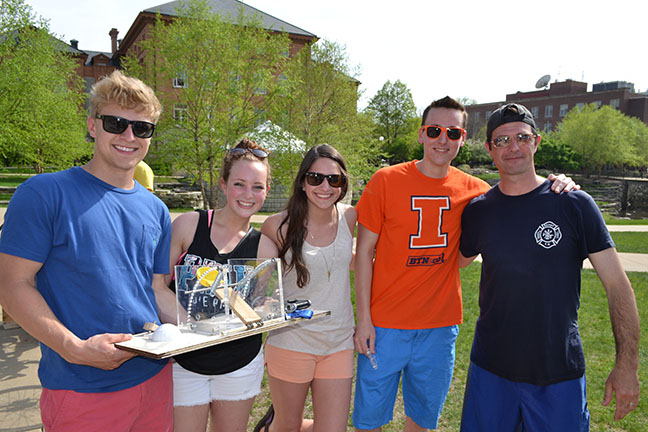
191, 389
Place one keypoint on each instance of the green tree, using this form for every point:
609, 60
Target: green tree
227, 70
598, 136
320, 106
553, 154
41, 97
394, 114
638, 136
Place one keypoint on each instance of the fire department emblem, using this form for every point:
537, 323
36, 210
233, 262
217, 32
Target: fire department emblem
548, 235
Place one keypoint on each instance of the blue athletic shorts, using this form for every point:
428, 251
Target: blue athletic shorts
425, 358
492, 403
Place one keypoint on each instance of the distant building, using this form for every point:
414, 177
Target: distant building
146, 19
93, 64
549, 106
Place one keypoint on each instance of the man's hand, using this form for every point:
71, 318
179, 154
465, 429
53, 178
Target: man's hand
99, 351
562, 183
364, 337
625, 383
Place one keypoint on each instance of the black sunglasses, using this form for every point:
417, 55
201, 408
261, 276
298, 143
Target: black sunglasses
334, 180
453, 133
255, 151
117, 125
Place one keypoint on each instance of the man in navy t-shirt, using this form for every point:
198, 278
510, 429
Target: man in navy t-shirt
527, 362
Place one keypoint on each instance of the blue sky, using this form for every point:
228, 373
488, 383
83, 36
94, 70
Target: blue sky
473, 48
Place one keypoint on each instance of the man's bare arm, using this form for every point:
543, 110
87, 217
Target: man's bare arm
623, 379
365, 334
19, 296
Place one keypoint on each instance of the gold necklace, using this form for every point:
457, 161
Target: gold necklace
328, 268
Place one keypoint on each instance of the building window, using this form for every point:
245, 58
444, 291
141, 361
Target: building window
180, 113
547, 126
180, 80
580, 105
487, 114
535, 111
548, 110
614, 103
563, 110
476, 117
597, 103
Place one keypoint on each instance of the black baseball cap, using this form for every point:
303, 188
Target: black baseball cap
507, 114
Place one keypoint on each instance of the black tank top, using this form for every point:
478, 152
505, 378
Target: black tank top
230, 356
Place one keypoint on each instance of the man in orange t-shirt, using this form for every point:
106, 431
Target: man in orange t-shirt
408, 302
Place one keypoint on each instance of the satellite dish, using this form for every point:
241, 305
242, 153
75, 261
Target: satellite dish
543, 81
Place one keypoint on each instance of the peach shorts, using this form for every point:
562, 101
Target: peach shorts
299, 367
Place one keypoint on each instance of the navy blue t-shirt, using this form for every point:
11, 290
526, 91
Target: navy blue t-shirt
533, 247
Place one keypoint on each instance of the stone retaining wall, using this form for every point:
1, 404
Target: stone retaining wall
634, 195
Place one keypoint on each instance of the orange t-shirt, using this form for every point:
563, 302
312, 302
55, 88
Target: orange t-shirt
416, 283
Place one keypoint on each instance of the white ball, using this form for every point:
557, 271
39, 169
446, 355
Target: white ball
165, 332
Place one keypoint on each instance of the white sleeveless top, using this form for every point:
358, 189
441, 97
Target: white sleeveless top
332, 333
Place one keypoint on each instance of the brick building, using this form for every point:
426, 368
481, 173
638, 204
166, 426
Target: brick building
549, 106
93, 64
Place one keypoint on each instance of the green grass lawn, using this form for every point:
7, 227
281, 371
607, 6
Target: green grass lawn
613, 220
12, 181
632, 242
599, 350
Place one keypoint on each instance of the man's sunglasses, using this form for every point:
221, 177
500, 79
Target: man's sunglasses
505, 140
334, 180
117, 125
255, 151
453, 133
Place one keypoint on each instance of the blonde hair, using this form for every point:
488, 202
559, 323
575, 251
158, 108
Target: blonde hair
127, 92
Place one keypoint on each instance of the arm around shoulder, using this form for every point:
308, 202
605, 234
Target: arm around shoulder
270, 227
267, 248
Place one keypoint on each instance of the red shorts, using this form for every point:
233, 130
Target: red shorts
145, 407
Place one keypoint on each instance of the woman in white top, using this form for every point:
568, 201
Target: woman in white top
314, 236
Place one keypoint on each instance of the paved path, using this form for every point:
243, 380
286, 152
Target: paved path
19, 354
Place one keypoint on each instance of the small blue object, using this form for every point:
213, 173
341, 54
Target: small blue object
301, 313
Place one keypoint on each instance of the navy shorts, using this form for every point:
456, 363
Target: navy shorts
424, 358
493, 403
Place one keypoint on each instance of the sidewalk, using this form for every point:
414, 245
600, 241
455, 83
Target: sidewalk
19, 354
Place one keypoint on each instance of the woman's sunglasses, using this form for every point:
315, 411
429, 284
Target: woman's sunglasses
117, 125
255, 151
453, 133
334, 180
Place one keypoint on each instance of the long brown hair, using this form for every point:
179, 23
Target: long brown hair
296, 218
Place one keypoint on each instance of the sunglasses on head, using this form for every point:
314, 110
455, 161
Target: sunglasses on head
334, 180
453, 133
255, 151
505, 140
117, 125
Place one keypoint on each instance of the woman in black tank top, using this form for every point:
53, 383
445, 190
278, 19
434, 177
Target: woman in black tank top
215, 236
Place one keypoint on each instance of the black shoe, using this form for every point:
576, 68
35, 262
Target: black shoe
264, 423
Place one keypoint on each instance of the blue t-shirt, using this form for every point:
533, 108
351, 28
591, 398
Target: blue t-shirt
533, 247
99, 247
